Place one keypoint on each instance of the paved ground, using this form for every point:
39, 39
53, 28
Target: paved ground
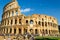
13, 37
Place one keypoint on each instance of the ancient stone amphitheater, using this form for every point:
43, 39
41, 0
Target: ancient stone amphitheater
14, 22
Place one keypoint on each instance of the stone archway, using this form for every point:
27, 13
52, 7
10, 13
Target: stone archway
10, 30
19, 31
49, 32
31, 31
25, 31
15, 31
36, 31
46, 31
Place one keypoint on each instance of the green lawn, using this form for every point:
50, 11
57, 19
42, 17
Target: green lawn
47, 38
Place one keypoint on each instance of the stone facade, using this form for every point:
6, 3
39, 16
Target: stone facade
59, 28
14, 22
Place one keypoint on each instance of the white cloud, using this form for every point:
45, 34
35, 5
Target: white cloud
26, 10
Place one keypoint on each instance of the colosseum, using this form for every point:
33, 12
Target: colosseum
14, 22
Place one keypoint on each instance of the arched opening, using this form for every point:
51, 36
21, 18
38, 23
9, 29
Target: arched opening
31, 31
42, 19
16, 12
46, 31
36, 22
27, 21
14, 31
39, 23
43, 32
19, 31
46, 24
15, 21
25, 31
4, 30
11, 22
42, 23
49, 31
10, 30
31, 21
5, 22
20, 21
36, 31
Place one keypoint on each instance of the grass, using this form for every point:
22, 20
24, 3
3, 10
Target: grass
47, 38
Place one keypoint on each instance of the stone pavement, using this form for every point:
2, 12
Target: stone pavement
13, 38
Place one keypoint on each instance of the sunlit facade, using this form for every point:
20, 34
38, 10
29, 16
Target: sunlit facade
14, 22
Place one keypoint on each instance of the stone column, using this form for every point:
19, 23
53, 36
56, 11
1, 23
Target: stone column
17, 31
17, 20
10, 13
40, 23
8, 30
39, 31
51, 31
12, 30
6, 22
9, 22
14, 13
34, 31
19, 12
5, 30
22, 30
48, 32
28, 30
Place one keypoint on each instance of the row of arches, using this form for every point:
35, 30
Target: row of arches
34, 31
15, 21
11, 13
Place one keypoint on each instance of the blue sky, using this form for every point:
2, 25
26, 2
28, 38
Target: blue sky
29, 7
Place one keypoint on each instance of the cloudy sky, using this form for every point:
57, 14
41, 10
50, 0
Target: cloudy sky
29, 7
